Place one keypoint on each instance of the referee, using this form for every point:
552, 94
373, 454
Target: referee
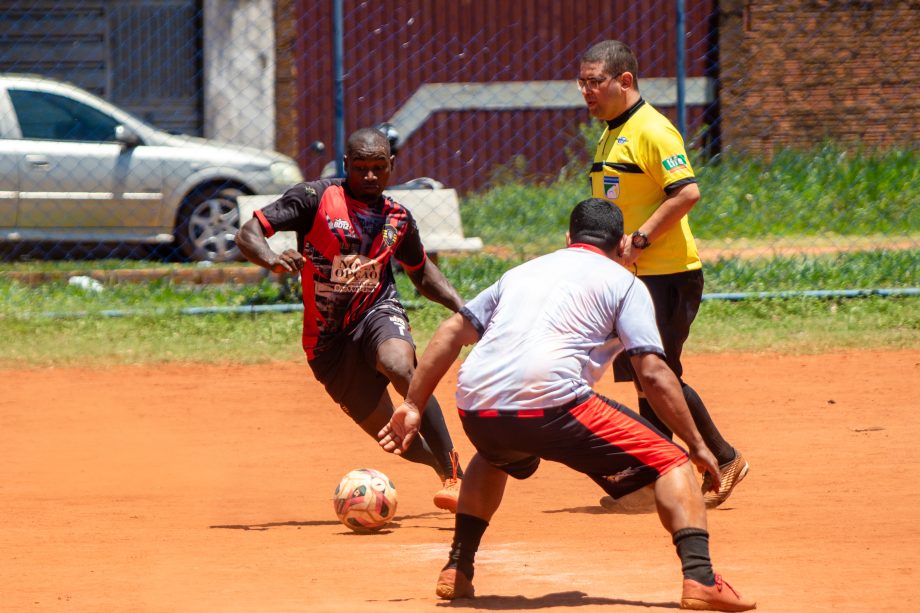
641, 166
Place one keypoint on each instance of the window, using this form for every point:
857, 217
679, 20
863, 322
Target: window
47, 116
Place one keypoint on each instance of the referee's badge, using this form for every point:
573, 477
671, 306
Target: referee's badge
612, 187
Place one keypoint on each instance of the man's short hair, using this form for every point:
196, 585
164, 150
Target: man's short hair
366, 138
596, 222
616, 56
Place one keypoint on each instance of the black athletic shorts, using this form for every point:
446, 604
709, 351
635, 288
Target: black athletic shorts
347, 367
601, 438
677, 300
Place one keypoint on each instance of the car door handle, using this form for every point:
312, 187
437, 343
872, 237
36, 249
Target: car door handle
38, 161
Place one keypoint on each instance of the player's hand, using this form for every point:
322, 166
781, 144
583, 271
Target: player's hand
399, 433
705, 462
630, 255
289, 261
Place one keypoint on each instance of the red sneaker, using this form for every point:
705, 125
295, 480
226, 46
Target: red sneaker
446, 498
452, 584
718, 597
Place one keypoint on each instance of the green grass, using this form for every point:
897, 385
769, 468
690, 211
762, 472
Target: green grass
20, 300
805, 194
28, 336
828, 198
789, 326
807, 325
96, 341
831, 189
57, 266
860, 270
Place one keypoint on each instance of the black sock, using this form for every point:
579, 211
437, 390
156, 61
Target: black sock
724, 452
693, 549
646, 411
468, 531
419, 453
434, 431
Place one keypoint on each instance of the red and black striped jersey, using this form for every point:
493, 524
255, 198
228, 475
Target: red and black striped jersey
348, 246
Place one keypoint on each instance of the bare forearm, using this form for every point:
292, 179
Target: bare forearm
251, 241
671, 211
433, 285
253, 245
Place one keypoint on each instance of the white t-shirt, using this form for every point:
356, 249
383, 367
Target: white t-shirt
550, 328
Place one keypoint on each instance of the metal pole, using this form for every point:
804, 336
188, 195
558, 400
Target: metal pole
339, 69
681, 69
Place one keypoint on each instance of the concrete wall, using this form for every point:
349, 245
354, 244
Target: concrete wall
239, 72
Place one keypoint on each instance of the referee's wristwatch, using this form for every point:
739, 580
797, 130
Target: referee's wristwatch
640, 240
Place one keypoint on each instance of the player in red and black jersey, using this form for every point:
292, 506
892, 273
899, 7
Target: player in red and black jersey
355, 330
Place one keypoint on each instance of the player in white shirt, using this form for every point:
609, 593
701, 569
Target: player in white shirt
544, 333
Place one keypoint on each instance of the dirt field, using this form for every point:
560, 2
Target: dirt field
203, 489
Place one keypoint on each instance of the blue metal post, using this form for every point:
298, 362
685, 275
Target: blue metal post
681, 69
338, 52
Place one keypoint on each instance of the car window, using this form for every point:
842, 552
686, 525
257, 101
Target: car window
47, 116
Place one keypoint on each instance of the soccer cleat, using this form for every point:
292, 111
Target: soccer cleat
718, 597
452, 583
732, 474
446, 498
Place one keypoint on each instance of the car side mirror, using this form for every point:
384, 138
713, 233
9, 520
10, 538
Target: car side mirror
127, 137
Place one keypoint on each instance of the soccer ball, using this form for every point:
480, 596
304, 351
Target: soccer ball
365, 500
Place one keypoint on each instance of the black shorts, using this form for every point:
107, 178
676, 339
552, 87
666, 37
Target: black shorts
677, 300
347, 367
599, 437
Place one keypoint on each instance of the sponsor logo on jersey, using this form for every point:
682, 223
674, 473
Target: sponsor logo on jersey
389, 235
612, 187
675, 162
340, 224
355, 274
622, 140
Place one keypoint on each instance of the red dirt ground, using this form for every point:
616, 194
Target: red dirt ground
202, 489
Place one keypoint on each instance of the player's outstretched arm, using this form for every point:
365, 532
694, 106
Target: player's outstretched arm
433, 285
444, 347
663, 390
253, 244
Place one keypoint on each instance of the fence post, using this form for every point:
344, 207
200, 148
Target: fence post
681, 35
339, 69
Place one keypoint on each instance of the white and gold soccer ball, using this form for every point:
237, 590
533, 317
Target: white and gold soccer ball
365, 500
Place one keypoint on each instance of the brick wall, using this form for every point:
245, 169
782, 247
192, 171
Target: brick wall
795, 73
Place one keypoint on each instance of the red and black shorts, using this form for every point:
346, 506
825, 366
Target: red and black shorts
347, 366
599, 437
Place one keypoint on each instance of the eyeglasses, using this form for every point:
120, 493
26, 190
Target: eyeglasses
592, 84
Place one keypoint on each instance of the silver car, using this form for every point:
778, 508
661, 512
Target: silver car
73, 167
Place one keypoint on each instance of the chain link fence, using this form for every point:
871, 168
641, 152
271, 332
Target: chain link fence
801, 119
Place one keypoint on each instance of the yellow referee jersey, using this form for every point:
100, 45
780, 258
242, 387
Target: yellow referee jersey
641, 156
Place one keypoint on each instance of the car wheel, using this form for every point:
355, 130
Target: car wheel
207, 225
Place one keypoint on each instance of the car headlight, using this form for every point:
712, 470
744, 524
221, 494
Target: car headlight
286, 173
